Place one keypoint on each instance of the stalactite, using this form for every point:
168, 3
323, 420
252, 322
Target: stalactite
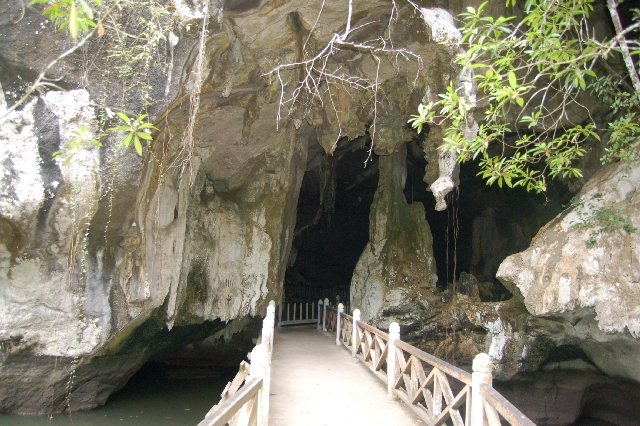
328, 186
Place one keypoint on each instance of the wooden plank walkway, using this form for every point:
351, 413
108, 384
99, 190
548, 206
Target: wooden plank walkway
315, 382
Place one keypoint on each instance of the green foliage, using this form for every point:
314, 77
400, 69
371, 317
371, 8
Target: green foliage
625, 129
136, 43
529, 74
132, 55
599, 221
71, 14
135, 130
83, 139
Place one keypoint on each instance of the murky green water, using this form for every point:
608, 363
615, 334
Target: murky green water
154, 396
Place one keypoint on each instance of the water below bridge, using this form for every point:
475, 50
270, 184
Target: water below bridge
156, 396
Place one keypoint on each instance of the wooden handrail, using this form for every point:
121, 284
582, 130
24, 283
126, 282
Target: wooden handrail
245, 400
428, 392
373, 330
222, 413
290, 313
313, 292
504, 407
421, 380
443, 366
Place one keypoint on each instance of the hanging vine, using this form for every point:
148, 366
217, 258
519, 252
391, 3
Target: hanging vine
186, 152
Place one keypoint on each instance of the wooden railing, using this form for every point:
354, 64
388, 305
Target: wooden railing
245, 400
294, 313
438, 392
290, 313
312, 292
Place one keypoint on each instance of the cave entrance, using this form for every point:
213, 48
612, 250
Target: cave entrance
481, 226
332, 226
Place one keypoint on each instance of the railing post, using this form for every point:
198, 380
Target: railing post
340, 310
392, 365
354, 332
319, 313
324, 314
482, 366
280, 314
261, 367
271, 315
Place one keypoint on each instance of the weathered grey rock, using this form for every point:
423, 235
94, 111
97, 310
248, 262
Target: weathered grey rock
597, 289
467, 284
106, 261
397, 264
43, 208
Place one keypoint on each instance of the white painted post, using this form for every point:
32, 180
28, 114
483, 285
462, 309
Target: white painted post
280, 314
354, 332
324, 314
340, 311
261, 367
319, 313
267, 327
392, 365
271, 318
482, 366
265, 332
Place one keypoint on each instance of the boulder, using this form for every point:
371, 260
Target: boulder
582, 269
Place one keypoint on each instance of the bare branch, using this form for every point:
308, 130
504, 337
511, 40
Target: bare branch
624, 48
318, 70
38, 82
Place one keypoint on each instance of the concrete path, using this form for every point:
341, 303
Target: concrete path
315, 382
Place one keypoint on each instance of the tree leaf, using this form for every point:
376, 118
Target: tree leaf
124, 117
145, 136
513, 82
147, 126
126, 141
87, 10
73, 20
137, 145
520, 101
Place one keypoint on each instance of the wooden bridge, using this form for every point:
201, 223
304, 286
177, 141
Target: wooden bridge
339, 370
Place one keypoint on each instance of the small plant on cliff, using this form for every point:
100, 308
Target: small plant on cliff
153, 21
599, 220
135, 130
531, 76
70, 14
83, 139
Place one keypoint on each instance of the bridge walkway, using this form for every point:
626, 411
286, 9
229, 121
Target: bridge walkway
315, 382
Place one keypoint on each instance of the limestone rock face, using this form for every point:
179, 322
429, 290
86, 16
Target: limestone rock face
594, 286
115, 257
42, 208
397, 264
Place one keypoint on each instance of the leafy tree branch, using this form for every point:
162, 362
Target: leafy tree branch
532, 77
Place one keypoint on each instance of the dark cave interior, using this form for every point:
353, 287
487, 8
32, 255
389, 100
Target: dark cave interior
333, 220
